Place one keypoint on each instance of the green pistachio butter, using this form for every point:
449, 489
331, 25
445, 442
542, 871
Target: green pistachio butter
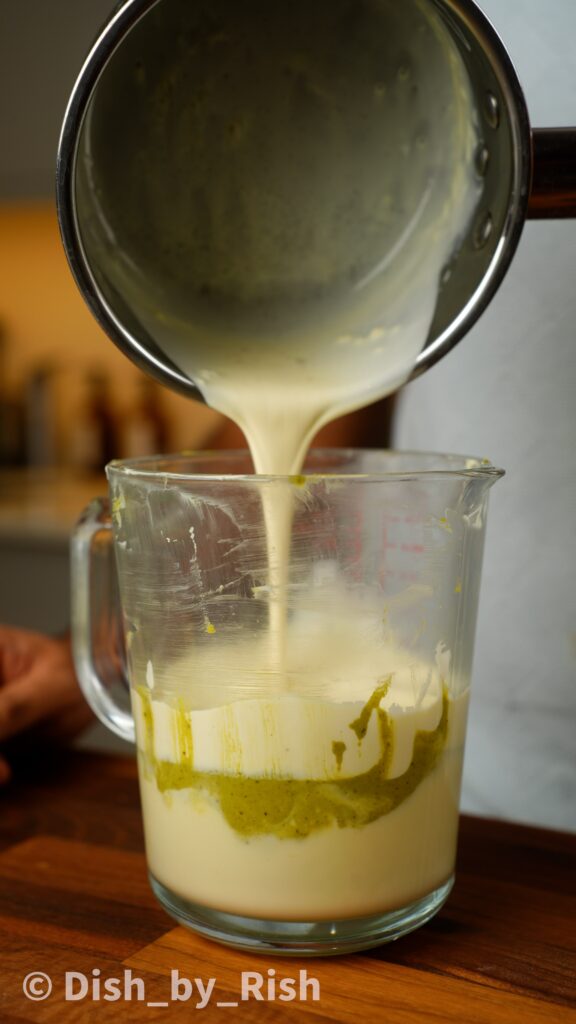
293, 808
338, 749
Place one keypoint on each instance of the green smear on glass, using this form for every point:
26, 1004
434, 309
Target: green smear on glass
338, 749
293, 808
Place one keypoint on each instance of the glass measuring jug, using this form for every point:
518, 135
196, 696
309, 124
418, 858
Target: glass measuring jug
299, 785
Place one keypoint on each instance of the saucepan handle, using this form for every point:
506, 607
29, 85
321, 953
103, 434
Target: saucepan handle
97, 636
553, 192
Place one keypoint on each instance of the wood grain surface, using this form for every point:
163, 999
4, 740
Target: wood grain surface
74, 897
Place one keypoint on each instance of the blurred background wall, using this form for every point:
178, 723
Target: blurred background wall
45, 328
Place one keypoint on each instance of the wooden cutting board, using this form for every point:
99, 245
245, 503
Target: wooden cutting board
75, 904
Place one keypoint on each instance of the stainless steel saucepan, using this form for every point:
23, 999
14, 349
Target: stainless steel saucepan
526, 172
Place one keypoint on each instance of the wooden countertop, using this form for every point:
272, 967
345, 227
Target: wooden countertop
74, 897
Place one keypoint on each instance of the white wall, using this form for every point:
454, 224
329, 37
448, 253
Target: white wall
508, 391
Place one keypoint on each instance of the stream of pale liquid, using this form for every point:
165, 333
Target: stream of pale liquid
321, 175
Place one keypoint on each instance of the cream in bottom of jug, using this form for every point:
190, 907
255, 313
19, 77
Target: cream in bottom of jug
300, 807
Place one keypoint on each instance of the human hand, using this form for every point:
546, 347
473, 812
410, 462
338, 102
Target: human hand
38, 688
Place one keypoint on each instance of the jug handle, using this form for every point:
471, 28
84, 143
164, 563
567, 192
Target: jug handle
97, 638
553, 191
